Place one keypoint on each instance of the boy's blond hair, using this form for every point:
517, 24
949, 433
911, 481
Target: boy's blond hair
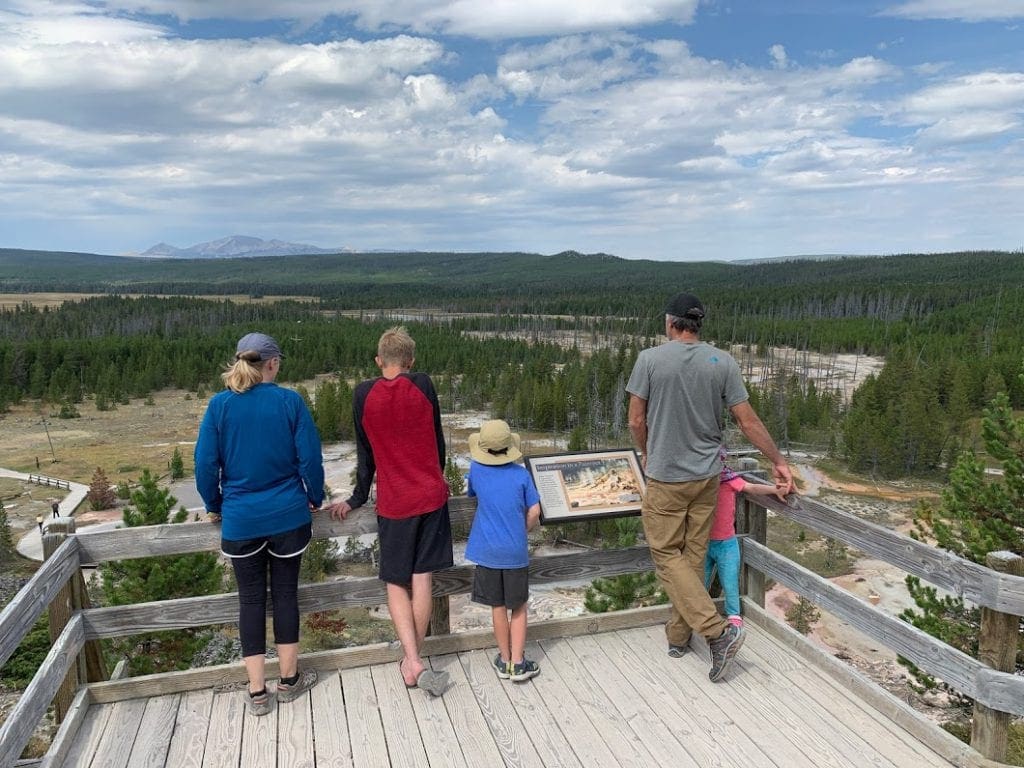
396, 347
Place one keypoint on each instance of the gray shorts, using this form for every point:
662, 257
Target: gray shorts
496, 587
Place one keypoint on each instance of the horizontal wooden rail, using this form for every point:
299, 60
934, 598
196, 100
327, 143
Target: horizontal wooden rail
33, 600
997, 690
999, 591
31, 706
123, 620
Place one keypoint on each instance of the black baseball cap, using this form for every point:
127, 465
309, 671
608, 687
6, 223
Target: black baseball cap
685, 305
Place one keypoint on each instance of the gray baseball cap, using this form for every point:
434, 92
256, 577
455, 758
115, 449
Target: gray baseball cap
260, 343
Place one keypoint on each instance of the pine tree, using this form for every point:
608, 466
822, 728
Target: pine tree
6, 537
101, 495
177, 465
803, 615
453, 475
630, 590
977, 514
126, 582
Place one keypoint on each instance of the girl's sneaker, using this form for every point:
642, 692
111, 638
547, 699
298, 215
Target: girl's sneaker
501, 667
524, 670
736, 621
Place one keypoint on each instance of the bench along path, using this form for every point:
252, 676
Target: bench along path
609, 699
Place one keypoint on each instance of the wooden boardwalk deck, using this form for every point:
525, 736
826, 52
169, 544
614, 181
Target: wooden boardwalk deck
608, 699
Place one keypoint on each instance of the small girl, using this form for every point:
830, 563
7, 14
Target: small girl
724, 547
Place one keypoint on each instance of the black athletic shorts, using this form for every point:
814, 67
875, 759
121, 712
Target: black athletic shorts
419, 544
495, 587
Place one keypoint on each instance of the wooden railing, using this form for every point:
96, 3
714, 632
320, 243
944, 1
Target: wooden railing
76, 627
52, 482
997, 589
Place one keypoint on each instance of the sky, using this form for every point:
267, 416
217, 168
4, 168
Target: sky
685, 130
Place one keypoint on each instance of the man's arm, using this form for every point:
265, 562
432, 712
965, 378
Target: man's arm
638, 427
755, 431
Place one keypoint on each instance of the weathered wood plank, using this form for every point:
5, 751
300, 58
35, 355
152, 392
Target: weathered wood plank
369, 747
1001, 592
32, 600
154, 736
180, 538
191, 725
259, 735
600, 706
396, 715
525, 735
849, 745
70, 729
894, 711
364, 655
440, 741
701, 722
570, 715
476, 742
595, 669
295, 731
22, 720
933, 656
118, 621
330, 727
819, 691
740, 700
82, 749
115, 748
224, 737
59, 614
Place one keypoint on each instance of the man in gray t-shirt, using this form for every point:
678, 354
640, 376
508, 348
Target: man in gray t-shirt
678, 394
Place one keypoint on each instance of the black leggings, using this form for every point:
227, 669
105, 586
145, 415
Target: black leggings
251, 574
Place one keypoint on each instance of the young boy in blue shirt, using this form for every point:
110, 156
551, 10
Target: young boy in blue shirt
507, 507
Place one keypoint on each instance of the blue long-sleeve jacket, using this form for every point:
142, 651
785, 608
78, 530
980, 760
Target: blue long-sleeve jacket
258, 461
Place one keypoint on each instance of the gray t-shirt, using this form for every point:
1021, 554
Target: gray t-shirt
686, 386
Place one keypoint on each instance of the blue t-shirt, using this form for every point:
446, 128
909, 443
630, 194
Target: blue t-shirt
258, 461
498, 536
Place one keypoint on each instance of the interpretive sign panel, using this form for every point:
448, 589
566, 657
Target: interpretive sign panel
587, 485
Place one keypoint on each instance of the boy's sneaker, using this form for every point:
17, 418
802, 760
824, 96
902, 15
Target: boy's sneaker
501, 667
524, 670
305, 680
678, 651
723, 649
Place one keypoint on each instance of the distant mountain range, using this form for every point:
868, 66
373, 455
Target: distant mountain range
236, 246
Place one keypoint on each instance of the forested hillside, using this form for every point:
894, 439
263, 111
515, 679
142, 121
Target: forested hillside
951, 327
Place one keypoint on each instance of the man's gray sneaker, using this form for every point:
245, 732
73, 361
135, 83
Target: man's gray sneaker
723, 650
678, 651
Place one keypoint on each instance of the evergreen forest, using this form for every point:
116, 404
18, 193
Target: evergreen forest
950, 327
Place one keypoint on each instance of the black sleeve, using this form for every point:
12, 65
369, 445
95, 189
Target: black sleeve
366, 467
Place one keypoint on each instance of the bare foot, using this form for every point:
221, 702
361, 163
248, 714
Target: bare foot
410, 680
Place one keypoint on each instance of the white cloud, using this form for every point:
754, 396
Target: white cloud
493, 19
962, 10
778, 54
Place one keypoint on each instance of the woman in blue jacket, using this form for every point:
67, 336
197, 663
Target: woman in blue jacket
260, 472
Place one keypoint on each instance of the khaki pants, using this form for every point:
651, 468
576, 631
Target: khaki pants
677, 521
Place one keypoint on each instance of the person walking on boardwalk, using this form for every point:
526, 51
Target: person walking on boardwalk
507, 507
259, 470
399, 439
678, 391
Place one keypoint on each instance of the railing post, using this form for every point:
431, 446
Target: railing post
60, 611
440, 617
997, 648
91, 666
